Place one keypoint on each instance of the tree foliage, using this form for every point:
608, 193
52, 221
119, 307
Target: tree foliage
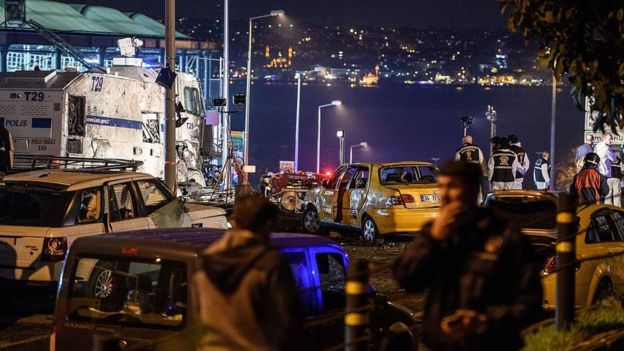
582, 39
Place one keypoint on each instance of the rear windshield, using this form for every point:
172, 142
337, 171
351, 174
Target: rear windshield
408, 174
129, 292
540, 214
33, 207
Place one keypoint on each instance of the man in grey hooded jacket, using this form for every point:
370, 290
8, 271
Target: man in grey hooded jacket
248, 298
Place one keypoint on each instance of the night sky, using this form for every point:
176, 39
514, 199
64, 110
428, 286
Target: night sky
453, 14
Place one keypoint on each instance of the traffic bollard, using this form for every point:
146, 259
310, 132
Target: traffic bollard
357, 316
566, 255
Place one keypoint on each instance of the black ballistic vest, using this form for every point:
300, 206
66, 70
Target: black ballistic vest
503, 161
469, 153
521, 154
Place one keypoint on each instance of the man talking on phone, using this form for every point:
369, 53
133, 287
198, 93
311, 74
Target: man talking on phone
483, 278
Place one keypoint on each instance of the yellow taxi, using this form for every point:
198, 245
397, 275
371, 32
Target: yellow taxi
600, 252
375, 199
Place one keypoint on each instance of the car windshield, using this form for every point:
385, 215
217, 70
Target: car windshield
128, 291
30, 206
538, 214
408, 174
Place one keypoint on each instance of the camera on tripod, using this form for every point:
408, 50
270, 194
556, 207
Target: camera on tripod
466, 120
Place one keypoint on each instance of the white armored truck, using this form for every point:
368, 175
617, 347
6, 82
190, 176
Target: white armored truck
114, 114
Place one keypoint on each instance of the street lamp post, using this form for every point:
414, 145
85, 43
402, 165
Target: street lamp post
170, 156
318, 134
340, 134
298, 76
362, 144
248, 83
491, 116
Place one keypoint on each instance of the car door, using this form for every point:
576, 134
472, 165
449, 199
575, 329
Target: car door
340, 198
123, 208
327, 195
617, 249
598, 241
355, 195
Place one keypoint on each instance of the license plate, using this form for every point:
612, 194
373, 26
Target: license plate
429, 198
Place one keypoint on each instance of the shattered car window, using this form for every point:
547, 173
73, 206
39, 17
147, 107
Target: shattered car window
28, 206
129, 292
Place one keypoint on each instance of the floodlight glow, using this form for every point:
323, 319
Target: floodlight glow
336, 102
277, 13
340, 133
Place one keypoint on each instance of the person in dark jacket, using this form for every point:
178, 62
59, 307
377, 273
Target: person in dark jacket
248, 298
6, 150
483, 278
589, 185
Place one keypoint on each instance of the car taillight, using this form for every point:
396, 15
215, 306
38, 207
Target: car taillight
394, 200
54, 249
551, 265
407, 198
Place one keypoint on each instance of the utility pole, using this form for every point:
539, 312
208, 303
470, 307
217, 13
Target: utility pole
225, 117
170, 156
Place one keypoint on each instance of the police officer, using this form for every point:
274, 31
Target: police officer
503, 166
523, 160
470, 153
6, 150
541, 172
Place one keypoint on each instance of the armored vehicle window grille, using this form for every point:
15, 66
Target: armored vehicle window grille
151, 131
74, 146
76, 115
191, 101
7, 110
36, 110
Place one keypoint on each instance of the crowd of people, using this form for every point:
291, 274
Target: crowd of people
508, 163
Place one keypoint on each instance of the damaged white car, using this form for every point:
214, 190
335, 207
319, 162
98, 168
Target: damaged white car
42, 212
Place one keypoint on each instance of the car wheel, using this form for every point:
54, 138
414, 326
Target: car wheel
101, 280
311, 220
603, 291
369, 234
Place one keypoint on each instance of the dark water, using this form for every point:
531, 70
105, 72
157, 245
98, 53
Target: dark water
400, 122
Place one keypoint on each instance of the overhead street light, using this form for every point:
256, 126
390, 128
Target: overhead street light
340, 134
362, 144
273, 13
318, 133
